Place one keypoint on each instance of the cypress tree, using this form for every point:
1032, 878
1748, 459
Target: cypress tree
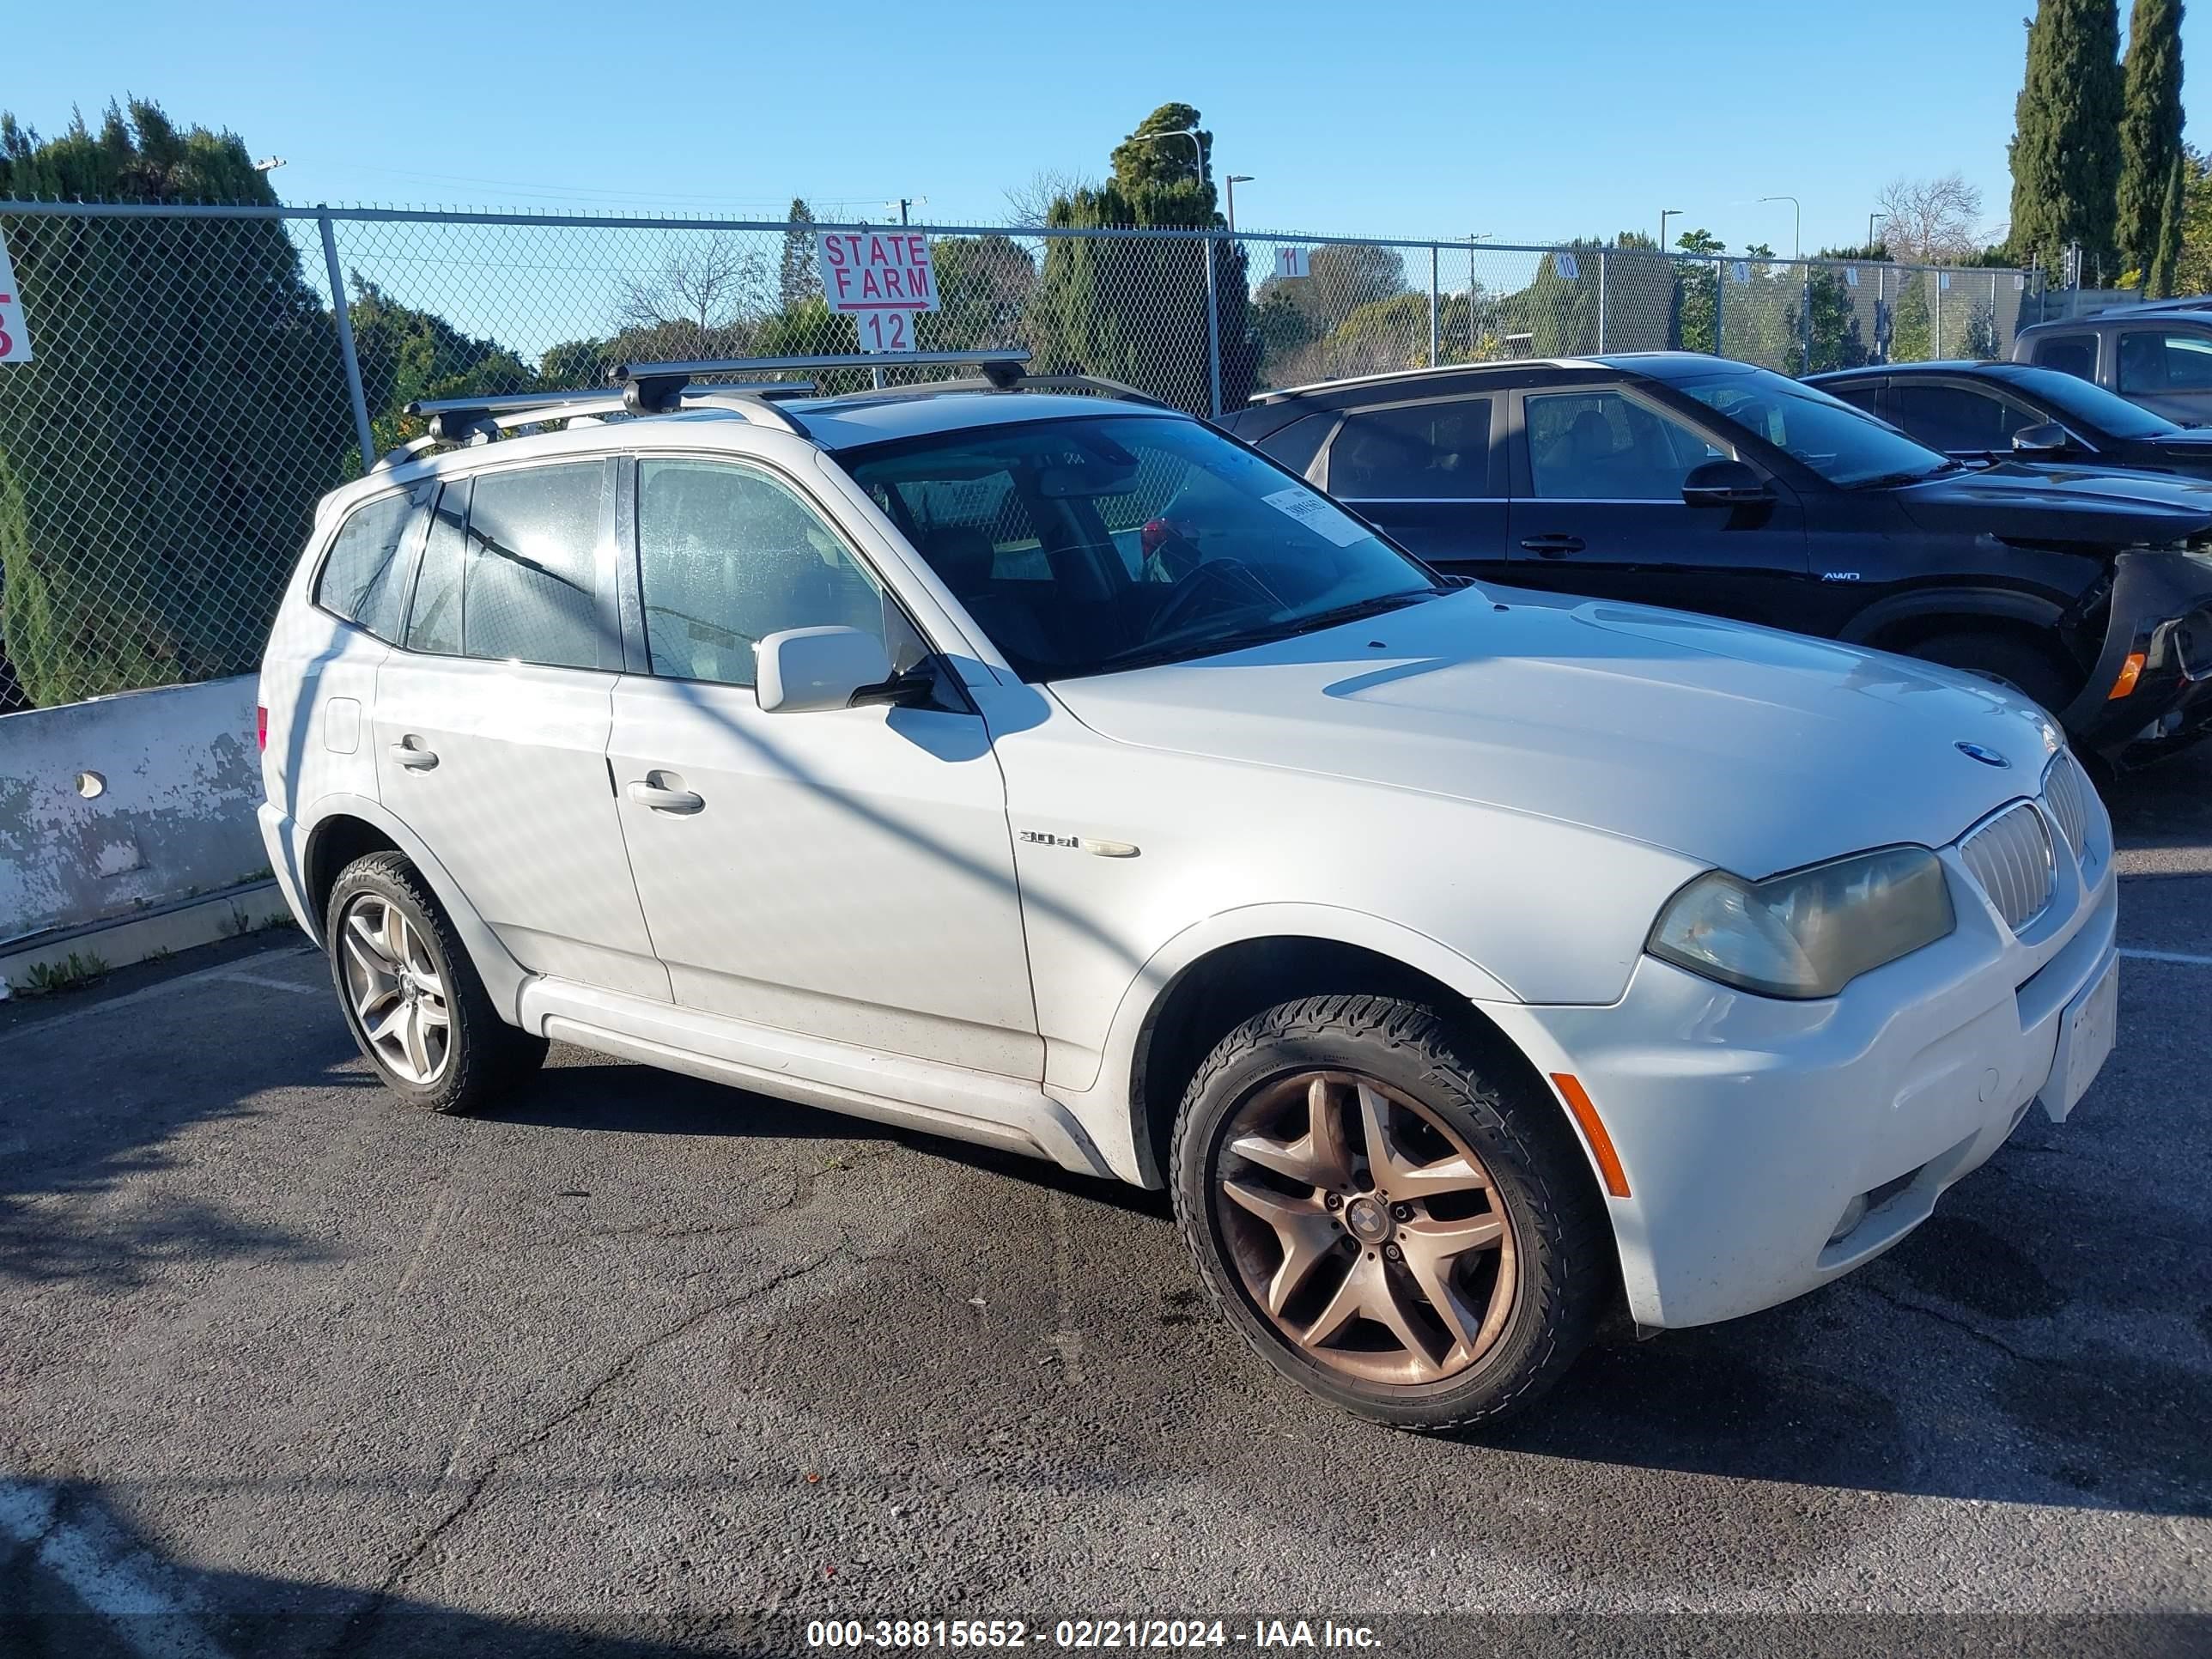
2150, 131
2065, 150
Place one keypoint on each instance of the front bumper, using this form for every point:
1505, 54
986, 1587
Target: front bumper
1771, 1146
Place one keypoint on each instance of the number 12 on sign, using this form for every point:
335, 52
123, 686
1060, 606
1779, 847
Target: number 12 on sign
886, 330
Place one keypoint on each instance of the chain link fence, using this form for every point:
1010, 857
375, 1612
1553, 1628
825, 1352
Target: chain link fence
202, 375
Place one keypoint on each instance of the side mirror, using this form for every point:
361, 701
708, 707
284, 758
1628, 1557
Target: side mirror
805, 669
1724, 483
2043, 441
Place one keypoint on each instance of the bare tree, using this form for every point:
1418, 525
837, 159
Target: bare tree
1930, 220
1031, 205
705, 284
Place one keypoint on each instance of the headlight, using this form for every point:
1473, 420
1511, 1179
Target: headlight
1811, 933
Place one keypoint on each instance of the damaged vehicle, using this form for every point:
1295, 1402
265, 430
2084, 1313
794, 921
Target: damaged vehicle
1676, 479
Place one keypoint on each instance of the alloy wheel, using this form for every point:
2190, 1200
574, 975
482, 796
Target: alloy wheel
398, 994
1364, 1228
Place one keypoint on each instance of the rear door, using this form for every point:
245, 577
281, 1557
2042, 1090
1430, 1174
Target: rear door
1597, 508
1428, 473
492, 721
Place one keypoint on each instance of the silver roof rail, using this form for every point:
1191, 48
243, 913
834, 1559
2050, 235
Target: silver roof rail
471, 420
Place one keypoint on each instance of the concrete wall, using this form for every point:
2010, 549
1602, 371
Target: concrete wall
113, 807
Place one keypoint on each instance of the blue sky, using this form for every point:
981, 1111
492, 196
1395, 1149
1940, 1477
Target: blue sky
1528, 122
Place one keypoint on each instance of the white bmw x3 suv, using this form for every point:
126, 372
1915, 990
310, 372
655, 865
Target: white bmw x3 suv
1054, 772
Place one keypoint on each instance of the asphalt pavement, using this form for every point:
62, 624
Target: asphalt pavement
638, 1363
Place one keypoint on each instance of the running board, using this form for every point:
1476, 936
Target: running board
895, 1088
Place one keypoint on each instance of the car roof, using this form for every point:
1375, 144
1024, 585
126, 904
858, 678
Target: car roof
1996, 370
872, 418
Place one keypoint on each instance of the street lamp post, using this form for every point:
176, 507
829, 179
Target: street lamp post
1874, 245
1233, 180
1664, 215
1797, 231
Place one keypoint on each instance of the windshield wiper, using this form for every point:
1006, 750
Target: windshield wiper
1891, 480
1153, 653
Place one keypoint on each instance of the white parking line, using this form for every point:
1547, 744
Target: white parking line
2168, 955
114, 1577
167, 988
276, 984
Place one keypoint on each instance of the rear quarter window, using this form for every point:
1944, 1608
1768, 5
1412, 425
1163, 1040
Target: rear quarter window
360, 580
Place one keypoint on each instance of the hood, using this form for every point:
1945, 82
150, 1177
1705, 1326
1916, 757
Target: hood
1742, 747
2048, 504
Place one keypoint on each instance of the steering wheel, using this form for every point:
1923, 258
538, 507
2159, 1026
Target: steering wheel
1214, 572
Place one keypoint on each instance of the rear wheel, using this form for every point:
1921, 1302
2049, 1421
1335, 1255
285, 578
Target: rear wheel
412, 999
1396, 1223
2016, 664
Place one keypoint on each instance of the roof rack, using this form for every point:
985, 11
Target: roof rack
653, 388
463, 420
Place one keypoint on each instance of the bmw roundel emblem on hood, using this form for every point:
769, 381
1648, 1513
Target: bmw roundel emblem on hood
1987, 756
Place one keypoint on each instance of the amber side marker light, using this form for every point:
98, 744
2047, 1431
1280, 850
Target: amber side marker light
2130, 671
1608, 1161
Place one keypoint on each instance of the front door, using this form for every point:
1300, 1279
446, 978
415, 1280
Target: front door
1598, 510
846, 874
491, 721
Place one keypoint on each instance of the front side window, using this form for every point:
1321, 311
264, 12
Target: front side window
1088, 545
359, 579
1846, 447
1601, 446
1417, 451
1957, 417
2155, 360
2069, 354
728, 555
529, 583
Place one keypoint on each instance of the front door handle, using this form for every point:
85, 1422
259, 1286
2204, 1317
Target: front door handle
1553, 547
653, 790
414, 759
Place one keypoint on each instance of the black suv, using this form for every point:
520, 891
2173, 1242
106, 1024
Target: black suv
1676, 479
2159, 355
1990, 411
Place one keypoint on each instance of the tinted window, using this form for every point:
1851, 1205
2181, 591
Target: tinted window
435, 622
530, 581
360, 580
1957, 417
728, 556
1846, 447
2157, 361
2070, 354
1600, 446
1297, 444
1422, 452
1156, 539
2091, 405
1859, 394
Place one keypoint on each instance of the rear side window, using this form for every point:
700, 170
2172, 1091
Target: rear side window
1859, 394
530, 577
434, 624
2070, 354
1416, 452
359, 579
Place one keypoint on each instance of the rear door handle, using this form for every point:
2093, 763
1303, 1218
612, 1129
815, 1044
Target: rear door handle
1553, 547
662, 798
413, 758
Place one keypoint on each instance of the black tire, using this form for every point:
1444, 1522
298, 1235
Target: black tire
484, 1056
2017, 664
1566, 1274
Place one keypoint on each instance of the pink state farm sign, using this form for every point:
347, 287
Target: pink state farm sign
881, 279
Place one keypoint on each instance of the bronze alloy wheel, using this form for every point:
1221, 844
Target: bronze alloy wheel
1364, 1228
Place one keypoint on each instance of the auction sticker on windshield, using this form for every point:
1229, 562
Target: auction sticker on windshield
1317, 514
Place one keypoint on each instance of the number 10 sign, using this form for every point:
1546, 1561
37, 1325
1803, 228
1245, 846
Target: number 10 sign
881, 279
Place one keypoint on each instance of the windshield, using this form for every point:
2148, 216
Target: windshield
2092, 405
1091, 545
1847, 446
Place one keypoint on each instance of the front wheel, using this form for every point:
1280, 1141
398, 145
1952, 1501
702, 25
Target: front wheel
1395, 1222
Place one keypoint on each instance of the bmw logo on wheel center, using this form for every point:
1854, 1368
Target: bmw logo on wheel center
1987, 756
